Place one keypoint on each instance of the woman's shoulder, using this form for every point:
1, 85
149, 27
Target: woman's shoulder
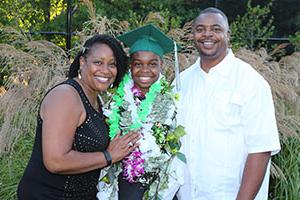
62, 103
63, 95
63, 92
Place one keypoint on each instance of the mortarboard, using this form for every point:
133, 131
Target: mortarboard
147, 38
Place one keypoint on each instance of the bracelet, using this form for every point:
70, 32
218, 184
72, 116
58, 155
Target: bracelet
107, 157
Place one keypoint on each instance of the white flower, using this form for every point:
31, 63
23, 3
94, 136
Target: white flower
148, 147
104, 191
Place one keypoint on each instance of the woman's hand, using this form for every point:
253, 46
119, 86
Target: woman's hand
121, 146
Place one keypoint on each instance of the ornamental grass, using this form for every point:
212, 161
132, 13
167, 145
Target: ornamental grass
36, 66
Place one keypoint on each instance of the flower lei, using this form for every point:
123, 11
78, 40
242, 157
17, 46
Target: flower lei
142, 113
160, 143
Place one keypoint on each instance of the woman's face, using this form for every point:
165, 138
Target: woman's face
145, 69
99, 68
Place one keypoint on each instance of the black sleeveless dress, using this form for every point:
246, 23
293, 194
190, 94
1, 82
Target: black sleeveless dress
91, 136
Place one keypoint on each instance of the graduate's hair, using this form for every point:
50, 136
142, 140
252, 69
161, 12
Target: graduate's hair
120, 55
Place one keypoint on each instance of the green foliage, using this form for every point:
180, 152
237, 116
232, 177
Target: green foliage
252, 29
174, 12
12, 166
173, 141
165, 21
39, 15
22, 14
30, 15
295, 41
288, 160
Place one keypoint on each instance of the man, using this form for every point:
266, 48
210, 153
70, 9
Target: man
228, 112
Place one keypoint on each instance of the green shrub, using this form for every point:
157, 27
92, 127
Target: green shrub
252, 29
295, 41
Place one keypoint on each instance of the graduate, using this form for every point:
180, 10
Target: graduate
144, 102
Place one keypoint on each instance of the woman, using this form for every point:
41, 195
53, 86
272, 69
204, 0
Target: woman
144, 102
72, 143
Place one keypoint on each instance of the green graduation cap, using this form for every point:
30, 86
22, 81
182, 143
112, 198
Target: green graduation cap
147, 38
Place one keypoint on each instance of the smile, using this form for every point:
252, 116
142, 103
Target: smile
145, 79
102, 79
208, 44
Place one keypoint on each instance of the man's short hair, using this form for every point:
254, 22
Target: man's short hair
216, 11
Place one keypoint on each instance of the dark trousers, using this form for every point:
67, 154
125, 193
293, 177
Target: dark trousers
131, 191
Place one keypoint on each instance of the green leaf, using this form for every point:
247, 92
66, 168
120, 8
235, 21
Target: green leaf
179, 131
181, 157
173, 145
105, 179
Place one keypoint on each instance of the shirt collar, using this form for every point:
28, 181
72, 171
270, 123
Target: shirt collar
223, 68
198, 70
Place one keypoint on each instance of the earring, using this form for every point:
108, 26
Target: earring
79, 74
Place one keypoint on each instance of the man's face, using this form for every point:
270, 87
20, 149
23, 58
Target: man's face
211, 36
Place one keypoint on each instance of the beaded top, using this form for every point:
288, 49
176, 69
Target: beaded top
90, 136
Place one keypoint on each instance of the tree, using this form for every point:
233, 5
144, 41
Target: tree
253, 28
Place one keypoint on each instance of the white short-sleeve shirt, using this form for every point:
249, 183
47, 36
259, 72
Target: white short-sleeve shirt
227, 114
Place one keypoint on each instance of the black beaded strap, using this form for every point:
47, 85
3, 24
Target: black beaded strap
107, 157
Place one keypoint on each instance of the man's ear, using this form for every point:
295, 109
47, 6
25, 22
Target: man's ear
228, 34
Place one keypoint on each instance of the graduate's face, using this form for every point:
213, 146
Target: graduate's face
211, 36
145, 69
